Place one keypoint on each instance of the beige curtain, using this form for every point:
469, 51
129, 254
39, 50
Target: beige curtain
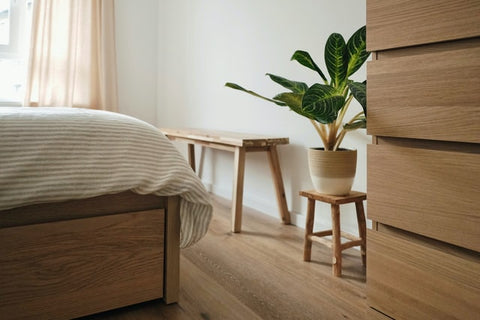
72, 55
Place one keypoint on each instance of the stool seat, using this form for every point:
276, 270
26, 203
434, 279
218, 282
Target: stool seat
336, 244
353, 196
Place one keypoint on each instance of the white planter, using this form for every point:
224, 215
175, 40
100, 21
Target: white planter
332, 172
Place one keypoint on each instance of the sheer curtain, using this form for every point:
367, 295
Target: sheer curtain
72, 55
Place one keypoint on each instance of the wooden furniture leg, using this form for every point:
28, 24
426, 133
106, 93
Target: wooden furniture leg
278, 183
307, 247
237, 197
191, 155
172, 251
336, 238
362, 230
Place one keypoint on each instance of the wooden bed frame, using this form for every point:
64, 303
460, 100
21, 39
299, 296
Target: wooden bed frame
80, 257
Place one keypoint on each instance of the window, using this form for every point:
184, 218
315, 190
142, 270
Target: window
4, 22
15, 23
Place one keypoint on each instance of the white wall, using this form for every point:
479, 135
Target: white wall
137, 58
203, 44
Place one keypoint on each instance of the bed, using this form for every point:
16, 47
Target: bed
94, 208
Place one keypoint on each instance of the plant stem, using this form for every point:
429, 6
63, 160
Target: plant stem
355, 117
339, 139
342, 134
343, 111
332, 135
321, 132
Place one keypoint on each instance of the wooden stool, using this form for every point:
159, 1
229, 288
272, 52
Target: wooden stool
336, 244
239, 144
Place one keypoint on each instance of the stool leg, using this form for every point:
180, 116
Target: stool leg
237, 197
307, 246
362, 230
336, 241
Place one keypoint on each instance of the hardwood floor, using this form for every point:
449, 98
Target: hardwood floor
257, 274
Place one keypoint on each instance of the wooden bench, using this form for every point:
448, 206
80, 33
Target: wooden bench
239, 143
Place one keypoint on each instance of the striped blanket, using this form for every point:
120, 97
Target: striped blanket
57, 154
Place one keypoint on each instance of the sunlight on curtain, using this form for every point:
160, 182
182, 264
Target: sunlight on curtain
72, 56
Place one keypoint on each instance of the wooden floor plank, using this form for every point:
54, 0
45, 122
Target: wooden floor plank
205, 298
258, 274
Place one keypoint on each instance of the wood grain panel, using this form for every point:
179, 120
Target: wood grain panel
409, 280
122, 202
427, 96
430, 192
427, 48
71, 268
400, 23
429, 144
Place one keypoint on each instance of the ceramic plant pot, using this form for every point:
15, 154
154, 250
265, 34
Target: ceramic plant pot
332, 172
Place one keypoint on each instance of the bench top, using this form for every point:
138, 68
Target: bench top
223, 137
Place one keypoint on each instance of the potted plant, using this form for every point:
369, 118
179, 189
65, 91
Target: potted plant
325, 104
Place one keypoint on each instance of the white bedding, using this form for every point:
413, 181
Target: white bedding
56, 154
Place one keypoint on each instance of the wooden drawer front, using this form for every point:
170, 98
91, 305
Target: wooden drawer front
410, 280
431, 96
432, 193
67, 269
401, 23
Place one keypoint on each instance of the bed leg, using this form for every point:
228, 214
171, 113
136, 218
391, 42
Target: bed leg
172, 251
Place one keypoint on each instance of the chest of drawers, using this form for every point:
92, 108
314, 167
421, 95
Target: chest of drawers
423, 253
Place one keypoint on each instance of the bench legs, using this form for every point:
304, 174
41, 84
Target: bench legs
237, 196
191, 155
238, 179
278, 183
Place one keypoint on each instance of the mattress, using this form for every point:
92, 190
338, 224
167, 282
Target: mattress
57, 154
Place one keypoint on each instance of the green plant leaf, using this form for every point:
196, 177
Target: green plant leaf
294, 86
306, 60
357, 50
322, 102
359, 91
336, 59
237, 87
293, 100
